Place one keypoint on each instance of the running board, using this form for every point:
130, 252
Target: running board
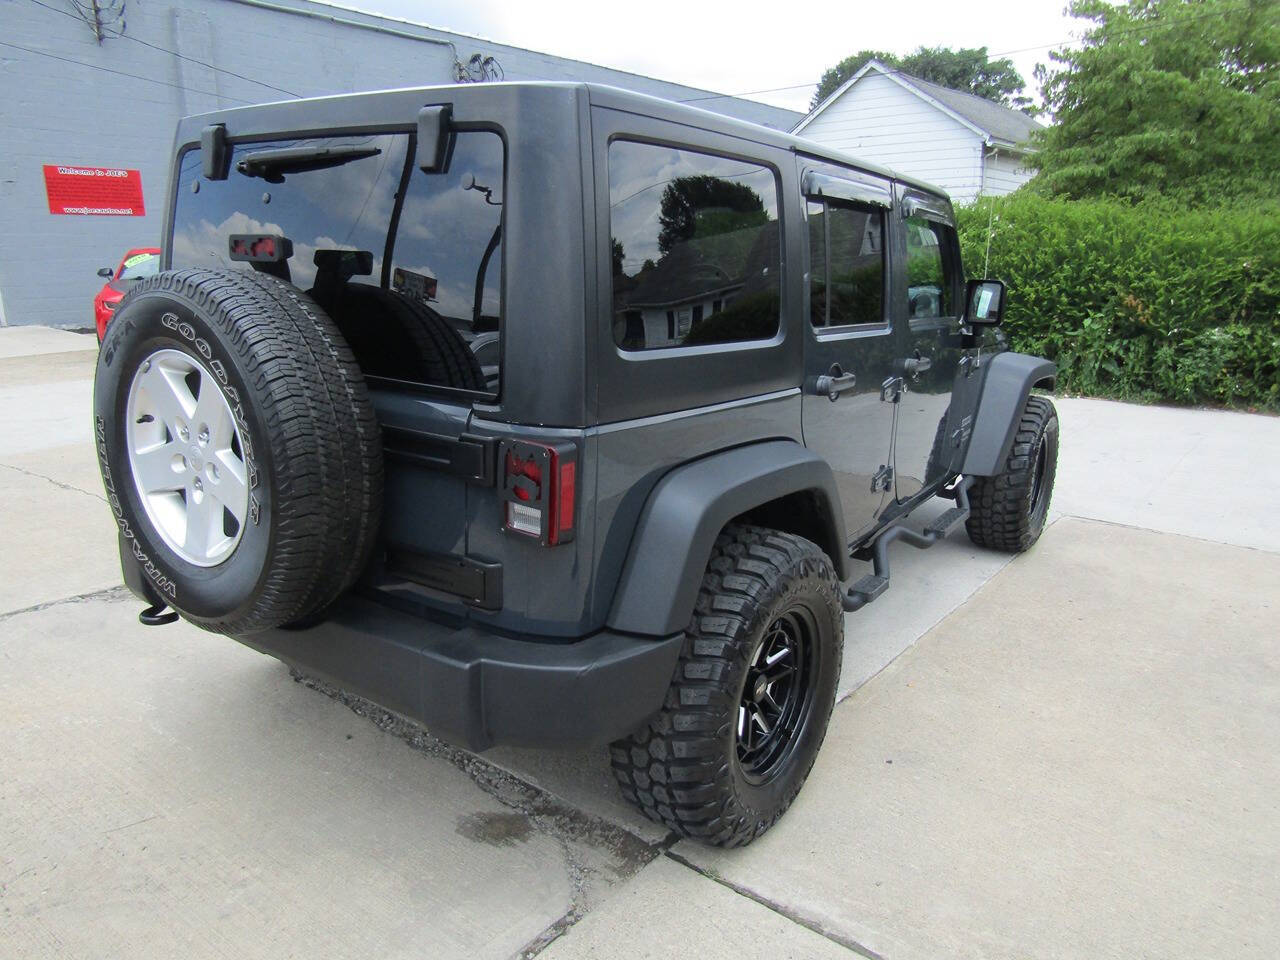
874, 584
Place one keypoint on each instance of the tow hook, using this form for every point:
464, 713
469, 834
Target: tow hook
155, 615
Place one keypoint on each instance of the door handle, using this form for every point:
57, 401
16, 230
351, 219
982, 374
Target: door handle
914, 366
834, 382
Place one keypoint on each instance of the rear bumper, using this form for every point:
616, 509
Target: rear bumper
479, 689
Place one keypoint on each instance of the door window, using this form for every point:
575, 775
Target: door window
930, 278
695, 245
847, 264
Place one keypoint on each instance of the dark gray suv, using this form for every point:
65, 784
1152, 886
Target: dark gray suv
551, 414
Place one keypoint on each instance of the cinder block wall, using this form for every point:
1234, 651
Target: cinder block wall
67, 99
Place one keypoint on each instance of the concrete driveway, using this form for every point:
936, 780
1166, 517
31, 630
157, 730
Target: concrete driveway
1073, 754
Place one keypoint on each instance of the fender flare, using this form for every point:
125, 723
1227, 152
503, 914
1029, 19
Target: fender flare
689, 507
1008, 383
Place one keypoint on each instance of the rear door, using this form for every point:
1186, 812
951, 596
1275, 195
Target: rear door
850, 344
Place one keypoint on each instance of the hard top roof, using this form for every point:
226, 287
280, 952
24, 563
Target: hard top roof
282, 113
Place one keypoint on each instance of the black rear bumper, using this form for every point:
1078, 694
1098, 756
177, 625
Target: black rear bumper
479, 689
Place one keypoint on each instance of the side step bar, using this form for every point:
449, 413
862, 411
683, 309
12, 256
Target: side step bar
874, 584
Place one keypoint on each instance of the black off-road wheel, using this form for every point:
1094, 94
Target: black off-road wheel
752, 694
238, 448
1008, 511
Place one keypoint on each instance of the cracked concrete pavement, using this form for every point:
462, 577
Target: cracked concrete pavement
1071, 754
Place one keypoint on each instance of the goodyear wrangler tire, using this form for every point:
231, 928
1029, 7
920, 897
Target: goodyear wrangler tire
238, 448
753, 691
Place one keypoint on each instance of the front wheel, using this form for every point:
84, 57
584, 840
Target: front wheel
753, 692
1008, 511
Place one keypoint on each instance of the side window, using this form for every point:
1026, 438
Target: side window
847, 264
695, 245
929, 272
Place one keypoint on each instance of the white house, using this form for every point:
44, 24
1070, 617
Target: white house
961, 142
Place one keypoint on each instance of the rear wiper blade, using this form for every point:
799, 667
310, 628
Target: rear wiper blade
272, 165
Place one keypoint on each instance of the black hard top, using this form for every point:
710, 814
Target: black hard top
364, 109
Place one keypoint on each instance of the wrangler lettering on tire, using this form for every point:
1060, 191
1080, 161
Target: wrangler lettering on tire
238, 447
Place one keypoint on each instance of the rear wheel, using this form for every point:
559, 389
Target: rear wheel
1008, 511
752, 695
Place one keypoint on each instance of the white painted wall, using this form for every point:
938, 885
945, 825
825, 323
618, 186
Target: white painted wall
1005, 174
878, 120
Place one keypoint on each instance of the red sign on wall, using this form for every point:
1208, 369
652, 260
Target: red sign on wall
87, 191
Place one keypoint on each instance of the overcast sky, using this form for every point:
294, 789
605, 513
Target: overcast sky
747, 46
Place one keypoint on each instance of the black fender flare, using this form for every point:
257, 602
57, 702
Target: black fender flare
1005, 388
689, 507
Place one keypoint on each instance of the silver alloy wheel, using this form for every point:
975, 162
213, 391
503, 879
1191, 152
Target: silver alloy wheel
187, 457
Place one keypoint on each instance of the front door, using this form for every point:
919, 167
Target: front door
850, 345
932, 423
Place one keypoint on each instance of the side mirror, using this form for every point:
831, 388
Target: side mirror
984, 303
107, 273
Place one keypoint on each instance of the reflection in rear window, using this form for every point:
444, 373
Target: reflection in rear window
444, 259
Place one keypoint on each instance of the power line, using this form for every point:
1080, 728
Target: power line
173, 53
1137, 28
120, 73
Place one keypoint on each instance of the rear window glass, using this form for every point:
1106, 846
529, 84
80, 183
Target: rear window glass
437, 255
695, 248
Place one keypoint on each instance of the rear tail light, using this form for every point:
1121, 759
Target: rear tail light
539, 489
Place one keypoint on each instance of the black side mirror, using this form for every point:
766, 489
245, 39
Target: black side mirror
107, 272
984, 303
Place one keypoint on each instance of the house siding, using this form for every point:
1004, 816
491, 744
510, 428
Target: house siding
877, 120
1005, 173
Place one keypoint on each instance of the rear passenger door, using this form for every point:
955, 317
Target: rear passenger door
850, 341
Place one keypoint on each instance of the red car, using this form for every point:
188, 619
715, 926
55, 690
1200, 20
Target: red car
136, 264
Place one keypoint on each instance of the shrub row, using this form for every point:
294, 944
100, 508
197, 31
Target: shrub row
1144, 302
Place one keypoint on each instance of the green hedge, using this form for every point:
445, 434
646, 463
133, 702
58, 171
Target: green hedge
1142, 302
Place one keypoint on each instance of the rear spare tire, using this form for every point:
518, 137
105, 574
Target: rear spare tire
238, 447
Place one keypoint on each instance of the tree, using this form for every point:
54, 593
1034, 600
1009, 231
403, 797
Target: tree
706, 205
968, 69
1166, 97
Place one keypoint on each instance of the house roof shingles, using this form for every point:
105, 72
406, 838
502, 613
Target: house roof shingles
998, 121
1003, 124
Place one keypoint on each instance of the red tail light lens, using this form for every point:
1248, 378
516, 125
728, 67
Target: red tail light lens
539, 489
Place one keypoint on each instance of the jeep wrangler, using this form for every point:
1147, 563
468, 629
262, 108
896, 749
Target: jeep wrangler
553, 414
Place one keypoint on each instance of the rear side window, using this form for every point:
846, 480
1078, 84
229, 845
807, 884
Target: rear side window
433, 258
847, 264
695, 247
929, 276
